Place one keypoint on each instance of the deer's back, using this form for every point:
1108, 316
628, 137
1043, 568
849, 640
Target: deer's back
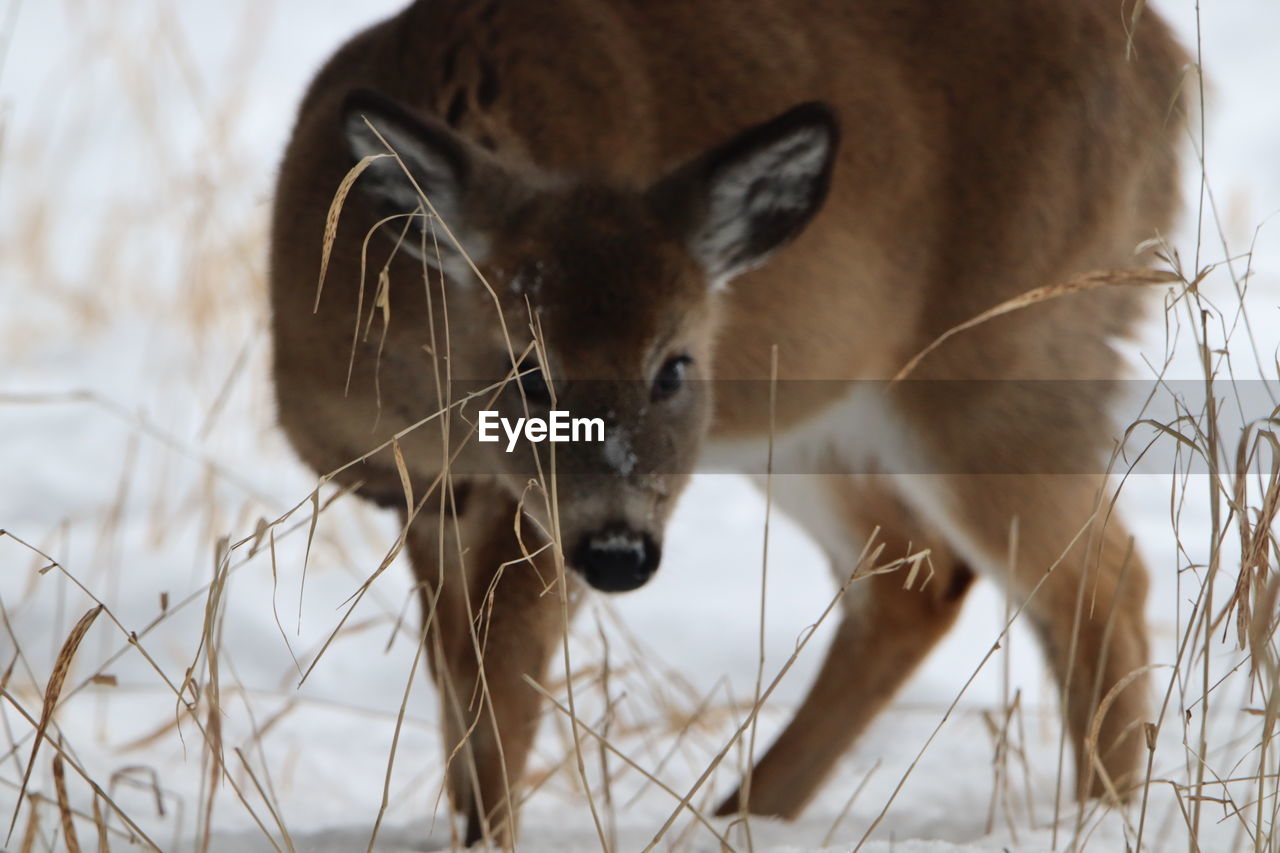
989, 147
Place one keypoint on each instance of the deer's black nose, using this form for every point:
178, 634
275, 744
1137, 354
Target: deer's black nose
617, 559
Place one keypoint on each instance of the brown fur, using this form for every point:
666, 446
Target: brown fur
988, 147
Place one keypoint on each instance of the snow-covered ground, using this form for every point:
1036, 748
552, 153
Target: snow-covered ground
136, 431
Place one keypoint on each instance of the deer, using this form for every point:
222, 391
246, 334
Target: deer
650, 213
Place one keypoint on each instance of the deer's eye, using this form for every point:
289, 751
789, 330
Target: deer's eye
533, 382
670, 378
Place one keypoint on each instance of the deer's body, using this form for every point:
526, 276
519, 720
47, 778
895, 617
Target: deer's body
986, 148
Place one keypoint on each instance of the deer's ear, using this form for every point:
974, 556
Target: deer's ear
425, 171
741, 201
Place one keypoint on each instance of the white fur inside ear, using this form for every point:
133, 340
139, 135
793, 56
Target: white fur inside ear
394, 191
778, 177
752, 200
364, 141
387, 177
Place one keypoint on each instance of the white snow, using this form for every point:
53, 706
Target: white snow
136, 431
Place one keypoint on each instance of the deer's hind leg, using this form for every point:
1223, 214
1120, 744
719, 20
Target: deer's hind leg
492, 618
888, 626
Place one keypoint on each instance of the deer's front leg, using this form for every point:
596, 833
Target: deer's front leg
887, 629
492, 617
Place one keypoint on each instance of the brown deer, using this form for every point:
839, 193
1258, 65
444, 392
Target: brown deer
625, 207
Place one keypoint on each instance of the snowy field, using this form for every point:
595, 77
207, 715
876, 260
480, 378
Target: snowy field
139, 140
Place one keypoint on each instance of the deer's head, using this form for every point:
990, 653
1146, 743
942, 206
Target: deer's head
618, 286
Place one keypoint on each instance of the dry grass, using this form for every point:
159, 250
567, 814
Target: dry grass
132, 727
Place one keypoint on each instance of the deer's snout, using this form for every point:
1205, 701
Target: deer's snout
617, 558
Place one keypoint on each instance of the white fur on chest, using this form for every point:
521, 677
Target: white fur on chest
859, 436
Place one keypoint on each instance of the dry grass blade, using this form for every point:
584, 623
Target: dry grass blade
405, 481
211, 642
1257, 535
829, 838
266, 799
745, 796
1095, 728
33, 828
395, 740
69, 837
335, 211
101, 824
1079, 284
61, 667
